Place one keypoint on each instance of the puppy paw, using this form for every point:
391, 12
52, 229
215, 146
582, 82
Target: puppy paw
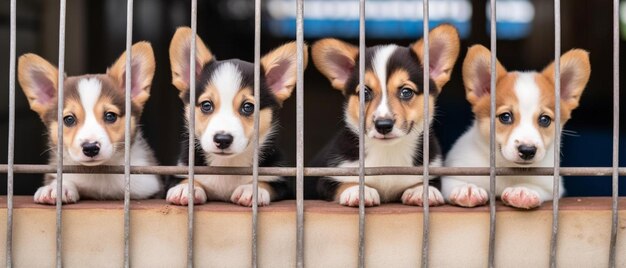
178, 195
243, 196
521, 197
48, 194
468, 195
350, 197
413, 196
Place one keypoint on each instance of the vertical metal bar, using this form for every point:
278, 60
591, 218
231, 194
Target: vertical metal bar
127, 115
615, 194
492, 139
59, 201
11, 142
191, 127
300, 134
557, 131
257, 101
426, 139
361, 136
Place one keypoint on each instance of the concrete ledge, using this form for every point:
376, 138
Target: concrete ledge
93, 235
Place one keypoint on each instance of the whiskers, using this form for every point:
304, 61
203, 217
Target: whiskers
570, 133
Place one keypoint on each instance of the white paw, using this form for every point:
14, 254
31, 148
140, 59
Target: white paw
521, 197
243, 196
413, 196
350, 197
48, 194
178, 195
468, 195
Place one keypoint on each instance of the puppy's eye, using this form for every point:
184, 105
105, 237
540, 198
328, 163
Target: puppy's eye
368, 94
247, 108
206, 106
69, 120
544, 121
506, 118
110, 117
406, 93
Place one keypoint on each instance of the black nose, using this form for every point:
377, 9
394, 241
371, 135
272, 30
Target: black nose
91, 149
223, 141
384, 126
527, 152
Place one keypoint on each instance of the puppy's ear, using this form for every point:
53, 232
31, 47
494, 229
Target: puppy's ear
443, 51
180, 50
575, 72
142, 71
477, 73
335, 60
280, 69
39, 81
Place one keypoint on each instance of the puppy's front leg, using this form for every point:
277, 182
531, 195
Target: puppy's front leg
348, 195
48, 194
243, 194
178, 195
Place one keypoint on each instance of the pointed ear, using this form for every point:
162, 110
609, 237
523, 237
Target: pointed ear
477, 73
335, 60
443, 51
39, 81
180, 50
143, 65
280, 69
575, 72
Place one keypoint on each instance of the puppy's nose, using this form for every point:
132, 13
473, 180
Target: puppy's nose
384, 126
527, 152
91, 149
223, 141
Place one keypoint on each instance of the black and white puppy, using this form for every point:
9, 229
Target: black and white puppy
224, 121
394, 115
93, 125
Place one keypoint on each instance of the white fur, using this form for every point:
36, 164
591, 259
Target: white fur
398, 152
104, 186
227, 80
379, 65
472, 150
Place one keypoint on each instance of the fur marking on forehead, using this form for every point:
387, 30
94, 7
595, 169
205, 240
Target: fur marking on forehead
227, 78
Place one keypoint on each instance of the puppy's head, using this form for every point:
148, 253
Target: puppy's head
224, 105
524, 101
93, 105
393, 80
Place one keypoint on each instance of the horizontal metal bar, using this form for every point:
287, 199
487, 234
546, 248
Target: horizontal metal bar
318, 171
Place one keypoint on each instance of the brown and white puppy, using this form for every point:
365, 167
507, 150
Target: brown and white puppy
394, 122
524, 127
93, 125
224, 119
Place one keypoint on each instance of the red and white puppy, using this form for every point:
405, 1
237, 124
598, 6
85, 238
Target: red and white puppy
93, 125
524, 128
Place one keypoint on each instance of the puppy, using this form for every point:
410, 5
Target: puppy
224, 119
394, 122
524, 128
93, 125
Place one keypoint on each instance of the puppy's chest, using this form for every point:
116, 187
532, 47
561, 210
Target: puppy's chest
389, 187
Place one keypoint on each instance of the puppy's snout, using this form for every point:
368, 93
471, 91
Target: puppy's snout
384, 126
91, 149
223, 141
527, 152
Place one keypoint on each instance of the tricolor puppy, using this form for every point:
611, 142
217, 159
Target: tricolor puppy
394, 121
93, 125
524, 128
224, 119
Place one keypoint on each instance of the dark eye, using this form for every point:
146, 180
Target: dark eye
506, 118
544, 121
406, 93
206, 106
69, 120
247, 108
368, 94
110, 117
